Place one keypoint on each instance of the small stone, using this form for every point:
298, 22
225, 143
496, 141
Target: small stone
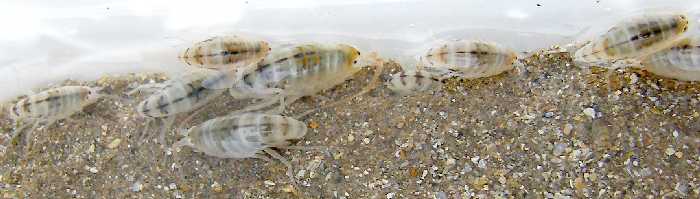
137, 186
670, 151
269, 183
589, 112
482, 164
289, 189
633, 78
91, 169
440, 195
682, 188
679, 154
559, 149
314, 125
114, 144
579, 184
390, 195
480, 182
450, 162
413, 172
548, 114
475, 160
91, 149
301, 173
365, 140
502, 180
567, 129
216, 187
172, 186
351, 138
467, 168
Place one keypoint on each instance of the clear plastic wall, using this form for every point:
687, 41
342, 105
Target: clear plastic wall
45, 42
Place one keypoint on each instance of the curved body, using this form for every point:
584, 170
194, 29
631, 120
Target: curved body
243, 136
225, 52
468, 59
407, 82
680, 61
634, 38
180, 95
54, 104
299, 71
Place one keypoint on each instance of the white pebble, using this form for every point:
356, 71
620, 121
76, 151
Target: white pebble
136, 187
482, 164
365, 141
269, 183
559, 148
670, 151
633, 78
450, 162
91, 169
589, 112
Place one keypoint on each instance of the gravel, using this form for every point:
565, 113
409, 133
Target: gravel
557, 131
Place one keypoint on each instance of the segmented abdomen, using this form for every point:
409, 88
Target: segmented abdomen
303, 69
407, 82
680, 61
179, 95
242, 136
54, 102
469, 59
634, 38
223, 52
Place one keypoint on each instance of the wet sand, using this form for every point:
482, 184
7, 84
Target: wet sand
555, 131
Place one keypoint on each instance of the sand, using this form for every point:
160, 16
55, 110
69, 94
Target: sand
554, 131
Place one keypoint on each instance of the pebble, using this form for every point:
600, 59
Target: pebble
91, 169
114, 144
682, 188
633, 78
679, 154
568, 128
91, 149
390, 195
289, 189
137, 186
482, 164
467, 168
450, 162
559, 149
399, 125
670, 151
548, 114
589, 112
440, 195
216, 187
269, 183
